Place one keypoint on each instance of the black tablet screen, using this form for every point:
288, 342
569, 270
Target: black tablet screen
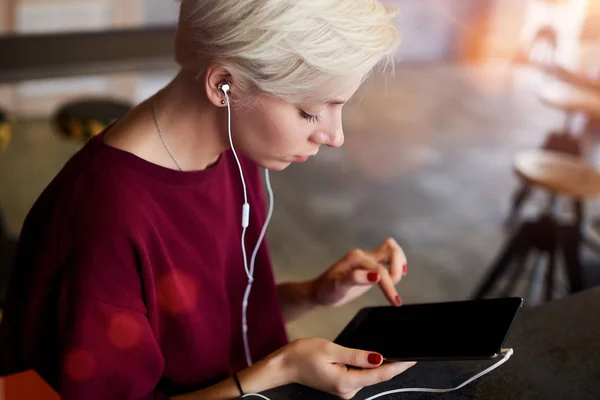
453, 330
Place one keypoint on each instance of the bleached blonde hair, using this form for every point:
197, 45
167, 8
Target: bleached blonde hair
287, 49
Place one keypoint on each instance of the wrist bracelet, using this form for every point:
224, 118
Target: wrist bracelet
237, 382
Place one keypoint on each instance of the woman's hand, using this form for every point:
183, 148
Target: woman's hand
323, 365
358, 271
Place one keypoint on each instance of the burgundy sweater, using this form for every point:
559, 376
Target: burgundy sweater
128, 279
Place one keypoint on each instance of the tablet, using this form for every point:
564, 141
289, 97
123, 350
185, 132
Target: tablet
460, 330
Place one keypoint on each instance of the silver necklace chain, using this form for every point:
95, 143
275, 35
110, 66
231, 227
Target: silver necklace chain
162, 137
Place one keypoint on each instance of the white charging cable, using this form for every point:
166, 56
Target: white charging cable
506, 355
245, 222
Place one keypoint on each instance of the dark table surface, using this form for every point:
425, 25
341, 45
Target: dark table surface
556, 356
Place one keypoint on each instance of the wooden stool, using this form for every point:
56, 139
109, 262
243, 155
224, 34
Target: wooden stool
83, 119
555, 142
559, 174
571, 100
7, 243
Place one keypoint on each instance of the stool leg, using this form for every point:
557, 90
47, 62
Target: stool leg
518, 244
518, 270
536, 276
545, 238
550, 275
578, 206
570, 241
518, 198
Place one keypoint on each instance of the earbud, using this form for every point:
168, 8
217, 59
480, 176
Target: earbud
224, 88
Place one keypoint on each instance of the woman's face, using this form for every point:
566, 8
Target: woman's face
275, 133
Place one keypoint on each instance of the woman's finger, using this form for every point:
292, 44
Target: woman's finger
353, 357
363, 277
385, 372
391, 253
389, 288
367, 262
398, 267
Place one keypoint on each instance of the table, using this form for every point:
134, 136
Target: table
557, 356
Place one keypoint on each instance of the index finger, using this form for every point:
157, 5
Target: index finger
369, 377
367, 261
391, 252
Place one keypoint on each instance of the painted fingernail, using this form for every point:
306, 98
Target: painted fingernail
398, 300
372, 276
375, 358
404, 269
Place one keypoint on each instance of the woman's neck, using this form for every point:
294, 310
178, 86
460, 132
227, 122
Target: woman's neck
193, 128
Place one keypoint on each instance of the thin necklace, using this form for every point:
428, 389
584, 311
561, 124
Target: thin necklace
162, 137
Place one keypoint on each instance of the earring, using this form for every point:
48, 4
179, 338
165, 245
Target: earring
222, 101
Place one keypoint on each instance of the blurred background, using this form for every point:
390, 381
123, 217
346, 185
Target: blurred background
491, 101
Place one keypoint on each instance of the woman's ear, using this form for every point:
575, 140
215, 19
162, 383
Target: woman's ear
213, 78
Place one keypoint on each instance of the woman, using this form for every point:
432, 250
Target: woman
129, 279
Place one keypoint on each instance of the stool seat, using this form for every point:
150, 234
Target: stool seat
83, 119
5, 130
570, 99
558, 172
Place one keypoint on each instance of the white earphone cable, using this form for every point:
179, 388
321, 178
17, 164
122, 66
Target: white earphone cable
269, 215
232, 148
245, 222
506, 355
245, 216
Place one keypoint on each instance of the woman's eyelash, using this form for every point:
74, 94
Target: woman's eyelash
310, 118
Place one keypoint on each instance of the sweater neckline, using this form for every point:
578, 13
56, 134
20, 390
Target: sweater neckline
155, 171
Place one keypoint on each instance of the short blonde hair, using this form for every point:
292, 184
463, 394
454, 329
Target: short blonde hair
287, 48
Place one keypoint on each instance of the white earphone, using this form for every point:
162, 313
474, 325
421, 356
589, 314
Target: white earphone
224, 88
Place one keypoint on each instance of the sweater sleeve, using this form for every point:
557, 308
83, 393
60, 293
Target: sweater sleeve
108, 349
77, 316
107, 352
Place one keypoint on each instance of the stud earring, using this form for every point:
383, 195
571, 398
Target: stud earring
222, 101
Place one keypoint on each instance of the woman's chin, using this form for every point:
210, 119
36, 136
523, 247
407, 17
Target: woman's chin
273, 165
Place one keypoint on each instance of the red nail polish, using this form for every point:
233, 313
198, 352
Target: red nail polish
404, 269
398, 301
375, 358
372, 276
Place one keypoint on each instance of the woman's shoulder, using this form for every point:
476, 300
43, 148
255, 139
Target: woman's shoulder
89, 188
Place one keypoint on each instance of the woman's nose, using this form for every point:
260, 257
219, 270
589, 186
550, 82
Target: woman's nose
337, 139
331, 138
